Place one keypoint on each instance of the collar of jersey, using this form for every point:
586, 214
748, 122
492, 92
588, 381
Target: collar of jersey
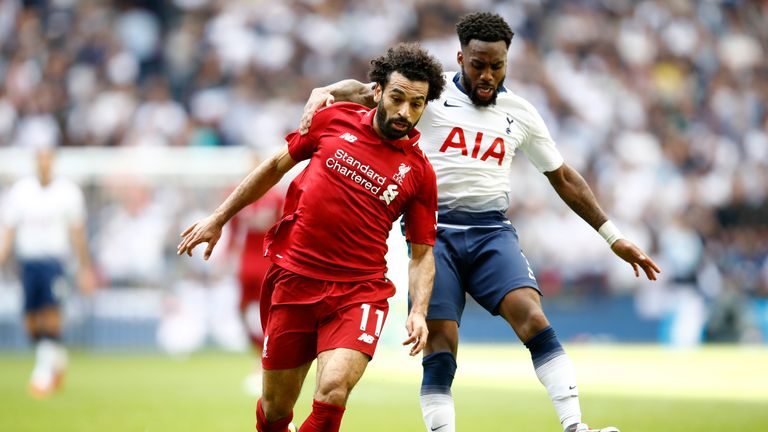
457, 81
400, 144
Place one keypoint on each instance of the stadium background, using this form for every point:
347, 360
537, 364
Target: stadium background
158, 108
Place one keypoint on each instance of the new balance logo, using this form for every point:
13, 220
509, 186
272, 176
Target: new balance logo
365, 337
388, 195
346, 136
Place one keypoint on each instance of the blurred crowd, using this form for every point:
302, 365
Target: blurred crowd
661, 105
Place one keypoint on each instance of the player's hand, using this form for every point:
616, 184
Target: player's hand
206, 230
319, 98
632, 254
86, 281
416, 325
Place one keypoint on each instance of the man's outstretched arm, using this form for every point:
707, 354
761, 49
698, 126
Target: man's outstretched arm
348, 90
421, 276
575, 192
7, 235
253, 187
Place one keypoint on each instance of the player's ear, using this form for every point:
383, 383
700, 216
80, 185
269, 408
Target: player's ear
460, 58
378, 90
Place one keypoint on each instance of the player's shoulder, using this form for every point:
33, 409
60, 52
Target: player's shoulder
66, 187
452, 87
419, 156
343, 108
65, 183
509, 100
339, 112
24, 185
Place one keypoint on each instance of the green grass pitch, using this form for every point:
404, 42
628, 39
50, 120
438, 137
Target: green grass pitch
637, 388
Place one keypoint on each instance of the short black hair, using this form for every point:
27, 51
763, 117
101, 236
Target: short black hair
483, 26
414, 63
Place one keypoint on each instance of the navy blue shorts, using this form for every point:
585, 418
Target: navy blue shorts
477, 254
38, 278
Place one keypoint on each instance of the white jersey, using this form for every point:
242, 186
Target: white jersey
42, 216
471, 148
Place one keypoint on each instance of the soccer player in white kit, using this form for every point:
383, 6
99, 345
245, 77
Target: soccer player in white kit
470, 135
41, 217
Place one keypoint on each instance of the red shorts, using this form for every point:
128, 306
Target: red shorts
305, 316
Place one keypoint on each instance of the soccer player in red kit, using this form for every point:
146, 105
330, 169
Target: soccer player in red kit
326, 295
248, 229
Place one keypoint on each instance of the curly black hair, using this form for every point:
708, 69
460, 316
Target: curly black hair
483, 26
414, 63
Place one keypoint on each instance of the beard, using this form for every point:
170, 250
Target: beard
386, 125
473, 91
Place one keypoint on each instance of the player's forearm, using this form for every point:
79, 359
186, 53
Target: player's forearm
421, 277
6, 242
350, 90
255, 185
80, 246
576, 193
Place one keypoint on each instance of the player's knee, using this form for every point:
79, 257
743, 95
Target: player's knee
537, 321
527, 318
334, 391
443, 337
534, 323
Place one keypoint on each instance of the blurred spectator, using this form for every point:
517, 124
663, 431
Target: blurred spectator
131, 242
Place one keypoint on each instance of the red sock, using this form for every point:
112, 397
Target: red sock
325, 417
262, 425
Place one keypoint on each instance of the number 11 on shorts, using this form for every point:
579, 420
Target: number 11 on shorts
379, 318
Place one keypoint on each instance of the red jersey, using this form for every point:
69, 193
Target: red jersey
339, 210
249, 226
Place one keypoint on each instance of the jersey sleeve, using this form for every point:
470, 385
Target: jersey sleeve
539, 146
9, 211
301, 147
421, 213
76, 205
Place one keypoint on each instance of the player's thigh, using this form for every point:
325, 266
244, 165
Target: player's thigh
355, 326
498, 267
448, 296
338, 371
290, 337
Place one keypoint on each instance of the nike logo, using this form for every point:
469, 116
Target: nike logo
571, 387
449, 106
441, 426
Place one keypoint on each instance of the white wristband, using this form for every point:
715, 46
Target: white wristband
610, 232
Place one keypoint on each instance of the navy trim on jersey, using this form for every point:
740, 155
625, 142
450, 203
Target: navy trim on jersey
493, 217
457, 81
